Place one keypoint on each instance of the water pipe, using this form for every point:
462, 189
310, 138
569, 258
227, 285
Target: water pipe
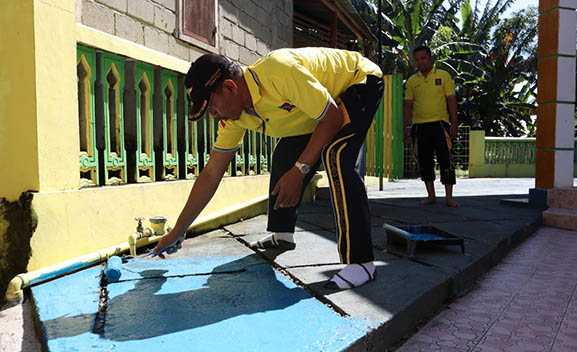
14, 291
148, 235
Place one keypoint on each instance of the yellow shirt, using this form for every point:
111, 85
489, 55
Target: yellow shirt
291, 91
429, 95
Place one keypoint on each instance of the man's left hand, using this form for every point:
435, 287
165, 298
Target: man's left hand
289, 189
454, 130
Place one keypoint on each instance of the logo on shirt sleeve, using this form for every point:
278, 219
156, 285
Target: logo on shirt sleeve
286, 106
438, 81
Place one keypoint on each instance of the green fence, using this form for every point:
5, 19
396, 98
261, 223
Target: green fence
384, 151
134, 127
510, 150
504, 156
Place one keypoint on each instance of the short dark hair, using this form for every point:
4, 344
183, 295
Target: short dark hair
423, 48
234, 72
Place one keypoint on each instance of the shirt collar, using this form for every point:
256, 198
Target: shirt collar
254, 85
433, 70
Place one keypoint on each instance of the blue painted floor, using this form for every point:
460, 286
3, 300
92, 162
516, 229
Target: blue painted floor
237, 303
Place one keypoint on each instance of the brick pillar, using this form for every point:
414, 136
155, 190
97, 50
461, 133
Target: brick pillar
556, 97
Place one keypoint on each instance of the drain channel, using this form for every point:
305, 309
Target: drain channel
100, 318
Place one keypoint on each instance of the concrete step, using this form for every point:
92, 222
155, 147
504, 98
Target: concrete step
563, 198
560, 218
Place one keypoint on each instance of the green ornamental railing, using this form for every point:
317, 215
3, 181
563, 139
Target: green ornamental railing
86, 72
134, 128
502, 150
144, 88
110, 83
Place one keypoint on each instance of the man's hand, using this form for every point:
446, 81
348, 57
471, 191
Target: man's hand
167, 241
289, 189
454, 130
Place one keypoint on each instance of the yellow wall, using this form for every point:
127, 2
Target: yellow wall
18, 126
38, 102
56, 95
74, 223
39, 140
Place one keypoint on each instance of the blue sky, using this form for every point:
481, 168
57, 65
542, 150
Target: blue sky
517, 5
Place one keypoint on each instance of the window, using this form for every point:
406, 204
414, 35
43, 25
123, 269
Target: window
197, 23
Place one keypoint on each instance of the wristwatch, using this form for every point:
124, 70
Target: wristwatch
303, 168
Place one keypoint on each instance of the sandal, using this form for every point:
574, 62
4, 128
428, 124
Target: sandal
271, 242
334, 286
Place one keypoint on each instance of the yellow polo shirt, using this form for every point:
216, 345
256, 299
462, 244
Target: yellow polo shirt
429, 95
291, 90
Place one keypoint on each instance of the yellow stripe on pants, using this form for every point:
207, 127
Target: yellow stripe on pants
343, 201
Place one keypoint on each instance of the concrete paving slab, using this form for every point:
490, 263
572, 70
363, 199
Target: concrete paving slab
407, 215
313, 248
214, 243
380, 235
320, 220
257, 225
138, 269
464, 187
318, 206
403, 294
253, 308
67, 306
490, 231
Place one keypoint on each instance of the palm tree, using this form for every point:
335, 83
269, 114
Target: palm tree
489, 58
409, 24
494, 101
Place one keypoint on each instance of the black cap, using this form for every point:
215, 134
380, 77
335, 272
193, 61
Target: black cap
203, 77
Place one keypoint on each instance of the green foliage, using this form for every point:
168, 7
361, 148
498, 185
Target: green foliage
494, 100
489, 57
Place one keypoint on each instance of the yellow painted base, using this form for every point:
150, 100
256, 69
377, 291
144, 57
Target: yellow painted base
503, 170
74, 223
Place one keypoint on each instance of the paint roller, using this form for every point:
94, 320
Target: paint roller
113, 268
396, 230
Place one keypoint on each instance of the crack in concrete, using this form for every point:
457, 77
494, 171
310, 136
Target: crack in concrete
324, 300
310, 265
100, 318
179, 276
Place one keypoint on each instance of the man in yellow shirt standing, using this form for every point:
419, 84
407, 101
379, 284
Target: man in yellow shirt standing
320, 102
429, 101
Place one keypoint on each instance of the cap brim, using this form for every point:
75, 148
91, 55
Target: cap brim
198, 108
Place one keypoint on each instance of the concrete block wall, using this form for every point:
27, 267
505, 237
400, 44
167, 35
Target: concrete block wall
246, 29
249, 29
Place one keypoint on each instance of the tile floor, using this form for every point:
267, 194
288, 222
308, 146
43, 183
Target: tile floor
526, 303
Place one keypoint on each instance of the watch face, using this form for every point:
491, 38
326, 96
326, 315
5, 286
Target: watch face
304, 168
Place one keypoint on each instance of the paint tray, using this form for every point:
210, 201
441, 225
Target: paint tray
421, 236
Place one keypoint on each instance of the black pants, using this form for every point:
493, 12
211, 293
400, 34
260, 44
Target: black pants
429, 138
348, 194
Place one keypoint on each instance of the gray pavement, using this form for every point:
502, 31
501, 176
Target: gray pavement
408, 289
